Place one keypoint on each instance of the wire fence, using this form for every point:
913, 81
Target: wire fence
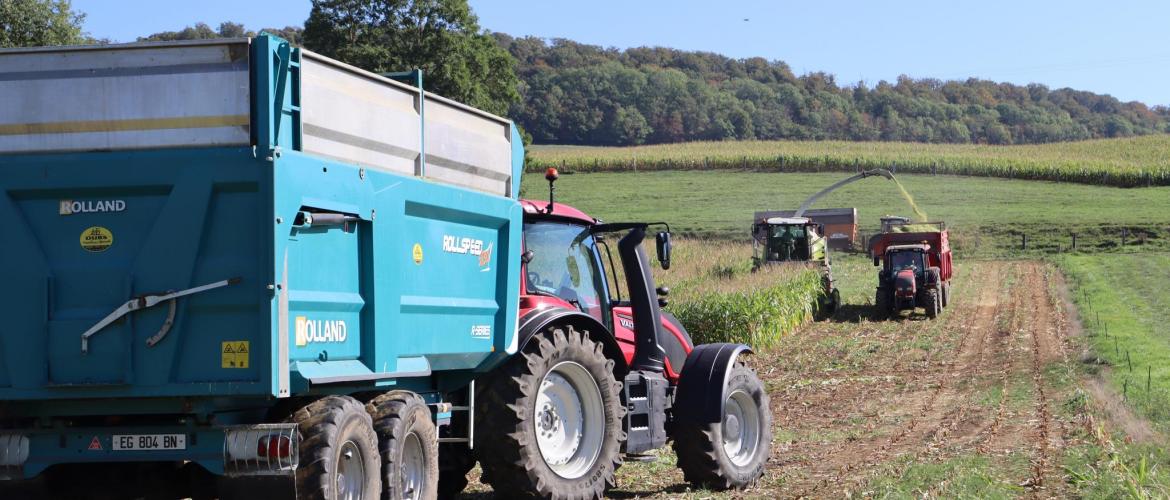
1138, 387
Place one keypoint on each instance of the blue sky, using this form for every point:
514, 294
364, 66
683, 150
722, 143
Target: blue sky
1119, 47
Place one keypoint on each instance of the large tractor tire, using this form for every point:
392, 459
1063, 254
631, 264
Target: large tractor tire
731, 453
933, 303
550, 421
339, 457
408, 444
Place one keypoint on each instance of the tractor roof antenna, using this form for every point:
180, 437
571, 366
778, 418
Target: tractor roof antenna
551, 175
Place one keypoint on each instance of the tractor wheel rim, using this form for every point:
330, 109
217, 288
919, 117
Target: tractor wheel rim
413, 467
569, 420
741, 428
351, 472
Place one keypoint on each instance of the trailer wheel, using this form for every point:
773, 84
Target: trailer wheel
408, 444
338, 451
552, 420
731, 453
933, 304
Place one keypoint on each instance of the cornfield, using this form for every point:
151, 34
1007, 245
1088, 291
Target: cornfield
1129, 162
718, 298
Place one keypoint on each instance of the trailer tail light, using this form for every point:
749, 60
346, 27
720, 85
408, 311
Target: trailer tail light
260, 450
273, 446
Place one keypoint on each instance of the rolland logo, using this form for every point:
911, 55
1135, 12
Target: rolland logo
71, 207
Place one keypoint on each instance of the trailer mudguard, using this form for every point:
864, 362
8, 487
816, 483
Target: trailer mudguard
703, 385
540, 319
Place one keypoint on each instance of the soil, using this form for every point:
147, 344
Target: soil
855, 402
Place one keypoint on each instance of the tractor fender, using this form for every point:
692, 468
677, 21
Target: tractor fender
702, 387
540, 320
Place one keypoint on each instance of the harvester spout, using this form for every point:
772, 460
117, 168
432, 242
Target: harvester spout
868, 173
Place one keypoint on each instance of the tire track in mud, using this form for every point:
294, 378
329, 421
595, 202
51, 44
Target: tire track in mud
1045, 347
1006, 362
967, 354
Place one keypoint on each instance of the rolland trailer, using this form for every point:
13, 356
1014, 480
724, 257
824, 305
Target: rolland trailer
235, 268
233, 264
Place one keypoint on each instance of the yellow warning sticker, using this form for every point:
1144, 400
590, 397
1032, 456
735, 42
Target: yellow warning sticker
417, 253
235, 354
97, 239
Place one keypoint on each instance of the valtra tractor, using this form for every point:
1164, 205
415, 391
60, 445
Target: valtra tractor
916, 266
603, 374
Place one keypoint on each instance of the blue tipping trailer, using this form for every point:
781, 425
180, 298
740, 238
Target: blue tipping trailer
211, 246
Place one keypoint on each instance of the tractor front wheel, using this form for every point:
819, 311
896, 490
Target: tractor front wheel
730, 453
881, 304
551, 420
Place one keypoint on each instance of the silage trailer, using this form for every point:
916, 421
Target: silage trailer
236, 263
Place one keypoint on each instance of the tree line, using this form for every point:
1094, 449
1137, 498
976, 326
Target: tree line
574, 93
565, 92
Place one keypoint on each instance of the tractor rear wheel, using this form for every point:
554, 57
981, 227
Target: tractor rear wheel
409, 445
552, 420
933, 304
338, 451
730, 453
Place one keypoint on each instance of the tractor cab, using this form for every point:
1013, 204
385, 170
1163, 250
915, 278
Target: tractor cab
788, 239
903, 259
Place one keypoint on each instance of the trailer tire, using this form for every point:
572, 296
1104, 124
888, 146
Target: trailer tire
709, 457
334, 430
561, 369
408, 444
933, 303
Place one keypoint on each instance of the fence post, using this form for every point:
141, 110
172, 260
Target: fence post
1074, 241
1124, 233
1024, 241
1149, 375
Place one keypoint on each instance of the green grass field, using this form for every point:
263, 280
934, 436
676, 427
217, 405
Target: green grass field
1137, 161
986, 215
1125, 309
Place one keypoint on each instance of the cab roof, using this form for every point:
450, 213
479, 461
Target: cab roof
536, 209
787, 220
914, 246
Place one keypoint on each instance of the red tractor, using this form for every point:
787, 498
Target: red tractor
602, 374
916, 266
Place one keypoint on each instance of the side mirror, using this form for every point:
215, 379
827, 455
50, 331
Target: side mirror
663, 242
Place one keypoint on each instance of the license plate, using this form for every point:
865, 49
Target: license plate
136, 442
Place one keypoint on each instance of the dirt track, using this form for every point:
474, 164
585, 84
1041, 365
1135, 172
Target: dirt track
858, 402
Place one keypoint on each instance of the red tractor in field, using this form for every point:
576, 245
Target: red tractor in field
602, 374
916, 266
